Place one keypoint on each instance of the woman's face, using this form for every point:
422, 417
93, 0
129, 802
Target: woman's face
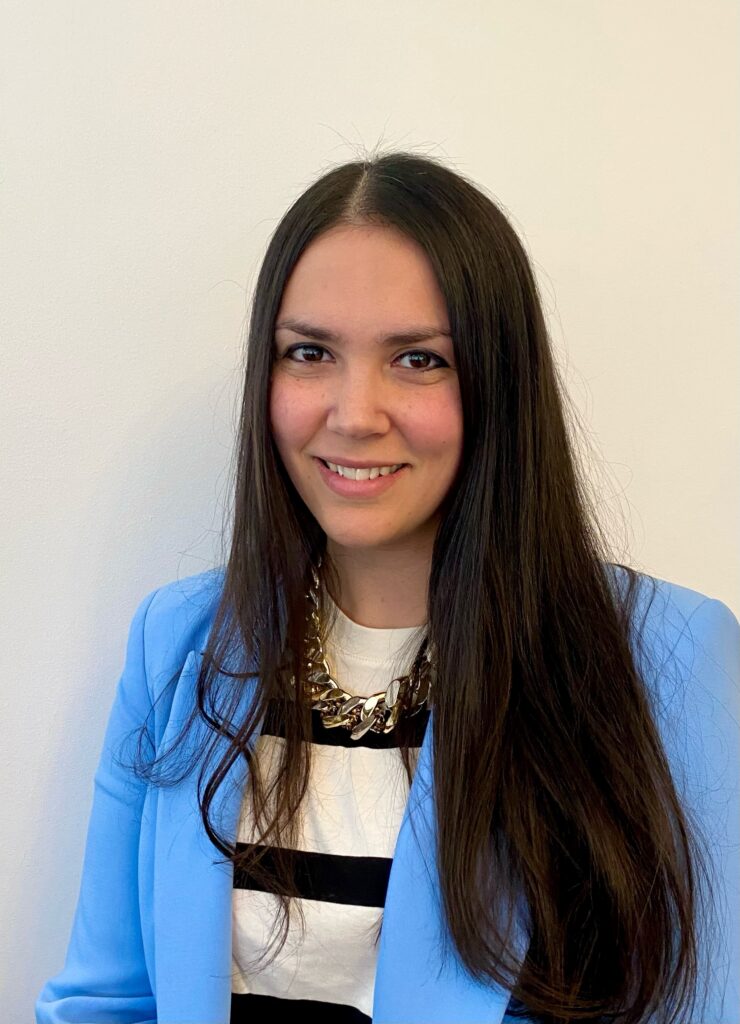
355, 397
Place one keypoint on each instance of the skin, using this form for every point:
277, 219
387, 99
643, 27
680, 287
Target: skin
362, 400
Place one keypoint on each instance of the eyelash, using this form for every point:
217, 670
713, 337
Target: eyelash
411, 351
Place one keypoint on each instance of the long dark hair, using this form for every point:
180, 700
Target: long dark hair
550, 778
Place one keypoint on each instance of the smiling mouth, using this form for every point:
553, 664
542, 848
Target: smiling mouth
353, 470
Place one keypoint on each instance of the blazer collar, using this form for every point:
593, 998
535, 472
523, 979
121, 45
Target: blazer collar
416, 980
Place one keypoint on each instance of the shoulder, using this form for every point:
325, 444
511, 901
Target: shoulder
676, 622
688, 652
176, 618
686, 646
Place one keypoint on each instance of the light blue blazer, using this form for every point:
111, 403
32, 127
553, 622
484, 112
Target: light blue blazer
151, 936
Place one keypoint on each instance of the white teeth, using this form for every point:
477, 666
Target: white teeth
363, 474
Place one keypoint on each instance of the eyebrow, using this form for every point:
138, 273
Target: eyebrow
412, 335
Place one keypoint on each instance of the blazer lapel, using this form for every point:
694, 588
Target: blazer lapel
416, 982
192, 894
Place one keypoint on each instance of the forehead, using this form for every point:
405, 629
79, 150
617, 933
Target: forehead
369, 273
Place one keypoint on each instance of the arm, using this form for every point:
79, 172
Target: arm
714, 738
105, 977
705, 742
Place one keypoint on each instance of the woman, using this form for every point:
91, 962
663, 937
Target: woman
419, 697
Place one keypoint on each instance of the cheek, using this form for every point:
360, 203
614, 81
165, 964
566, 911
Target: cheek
438, 427
275, 406
288, 413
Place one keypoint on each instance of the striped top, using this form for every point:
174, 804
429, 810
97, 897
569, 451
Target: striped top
348, 823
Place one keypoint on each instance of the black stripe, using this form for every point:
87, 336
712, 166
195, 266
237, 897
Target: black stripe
250, 1008
274, 725
357, 881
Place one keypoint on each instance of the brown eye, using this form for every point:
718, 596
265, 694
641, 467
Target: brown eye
427, 355
413, 352
296, 348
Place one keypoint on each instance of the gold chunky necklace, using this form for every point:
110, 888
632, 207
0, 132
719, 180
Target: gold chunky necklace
405, 695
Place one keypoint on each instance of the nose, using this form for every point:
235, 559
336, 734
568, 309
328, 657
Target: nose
359, 403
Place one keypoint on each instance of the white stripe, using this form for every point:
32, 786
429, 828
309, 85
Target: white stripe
339, 969
354, 804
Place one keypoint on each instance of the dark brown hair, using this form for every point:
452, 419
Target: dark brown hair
550, 778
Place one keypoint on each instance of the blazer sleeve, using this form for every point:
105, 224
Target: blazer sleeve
704, 748
712, 735
105, 976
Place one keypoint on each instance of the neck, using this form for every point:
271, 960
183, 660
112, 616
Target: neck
382, 589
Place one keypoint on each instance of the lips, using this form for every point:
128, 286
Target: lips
347, 488
398, 465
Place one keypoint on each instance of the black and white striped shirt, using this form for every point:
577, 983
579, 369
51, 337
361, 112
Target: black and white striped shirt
348, 823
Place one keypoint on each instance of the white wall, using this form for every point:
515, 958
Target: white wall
148, 151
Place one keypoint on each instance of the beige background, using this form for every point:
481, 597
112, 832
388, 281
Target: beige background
148, 150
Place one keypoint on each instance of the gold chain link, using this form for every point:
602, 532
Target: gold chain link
405, 695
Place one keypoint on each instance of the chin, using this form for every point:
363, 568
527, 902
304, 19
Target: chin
363, 538
359, 541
